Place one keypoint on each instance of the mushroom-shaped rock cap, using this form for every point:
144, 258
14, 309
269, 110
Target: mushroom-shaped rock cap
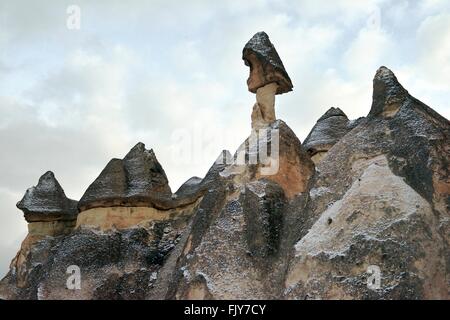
47, 201
137, 180
328, 130
189, 188
332, 112
265, 65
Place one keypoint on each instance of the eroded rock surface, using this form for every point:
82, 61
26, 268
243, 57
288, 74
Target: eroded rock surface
379, 221
47, 201
50, 214
234, 247
114, 265
328, 130
137, 180
267, 78
374, 201
265, 64
47, 209
266, 223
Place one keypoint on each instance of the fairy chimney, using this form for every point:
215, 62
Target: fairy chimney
267, 78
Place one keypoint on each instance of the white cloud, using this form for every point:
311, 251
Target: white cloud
367, 51
432, 5
434, 49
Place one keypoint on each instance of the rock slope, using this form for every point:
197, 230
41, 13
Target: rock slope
380, 197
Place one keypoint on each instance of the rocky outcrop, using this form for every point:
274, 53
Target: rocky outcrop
388, 94
117, 264
135, 191
138, 180
370, 220
234, 247
49, 214
375, 202
265, 64
328, 130
47, 201
47, 209
189, 188
276, 154
267, 78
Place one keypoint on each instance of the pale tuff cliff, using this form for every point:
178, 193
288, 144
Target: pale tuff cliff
301, 221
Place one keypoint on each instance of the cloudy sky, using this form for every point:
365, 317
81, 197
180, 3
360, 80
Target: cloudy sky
170, 74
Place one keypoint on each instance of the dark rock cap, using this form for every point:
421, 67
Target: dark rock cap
196, 187
189, 188
265, 64
328, 130
144, 173
137, 180
332, 112
189, 191
47, 201
387, 92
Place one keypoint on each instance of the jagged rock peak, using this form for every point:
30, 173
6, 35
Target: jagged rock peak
388, 93
332, 112
265, 64
144, 171
47, 200
139, 149
138, 179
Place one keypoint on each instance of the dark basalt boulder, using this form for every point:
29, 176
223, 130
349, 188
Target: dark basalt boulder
137, 180
47, 201
265, 64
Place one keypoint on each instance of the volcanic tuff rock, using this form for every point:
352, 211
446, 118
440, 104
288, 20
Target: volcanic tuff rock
380, 197
137, 180
265, 64
267, 223
328, 130
388, 94
47, 201
49, 214
284, 161
267, 78
235, 247
47, 210
191, 186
